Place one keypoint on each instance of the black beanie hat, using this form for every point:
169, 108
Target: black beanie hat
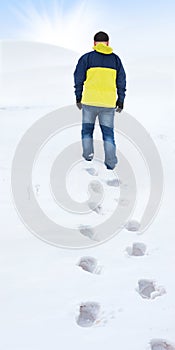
101, 36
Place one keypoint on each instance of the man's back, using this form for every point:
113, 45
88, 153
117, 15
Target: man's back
97, 75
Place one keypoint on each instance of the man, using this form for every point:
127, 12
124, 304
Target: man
99, 77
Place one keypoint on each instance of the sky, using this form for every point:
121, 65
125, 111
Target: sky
139, 26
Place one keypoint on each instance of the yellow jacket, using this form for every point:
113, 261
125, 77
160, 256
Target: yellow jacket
99, 77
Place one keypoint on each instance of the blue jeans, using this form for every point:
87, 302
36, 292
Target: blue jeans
106, 121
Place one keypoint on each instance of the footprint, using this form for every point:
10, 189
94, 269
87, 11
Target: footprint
88, 314
87, 231
113, 182
96, 208
92, 171
96, 190
137, 249
37, 189
149, 290
123, 202
161, 344
96, 186
132, 225
146, 288
162, 136
89, 264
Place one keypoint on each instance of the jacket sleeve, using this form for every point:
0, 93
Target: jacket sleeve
80, 77
121, 82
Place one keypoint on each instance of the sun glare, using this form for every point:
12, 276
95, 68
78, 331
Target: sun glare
71, 28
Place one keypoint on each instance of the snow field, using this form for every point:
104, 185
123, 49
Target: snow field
117, 295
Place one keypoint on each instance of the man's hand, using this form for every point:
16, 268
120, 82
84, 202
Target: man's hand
79, 105
119, 106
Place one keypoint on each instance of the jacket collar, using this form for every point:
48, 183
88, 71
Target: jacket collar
102, 48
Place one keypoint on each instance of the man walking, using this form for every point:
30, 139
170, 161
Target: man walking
100, 85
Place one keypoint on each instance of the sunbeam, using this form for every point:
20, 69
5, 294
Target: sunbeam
70, 28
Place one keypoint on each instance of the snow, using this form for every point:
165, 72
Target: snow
42, 286
30, 71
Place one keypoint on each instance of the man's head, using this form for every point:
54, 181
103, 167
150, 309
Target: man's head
101, 37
